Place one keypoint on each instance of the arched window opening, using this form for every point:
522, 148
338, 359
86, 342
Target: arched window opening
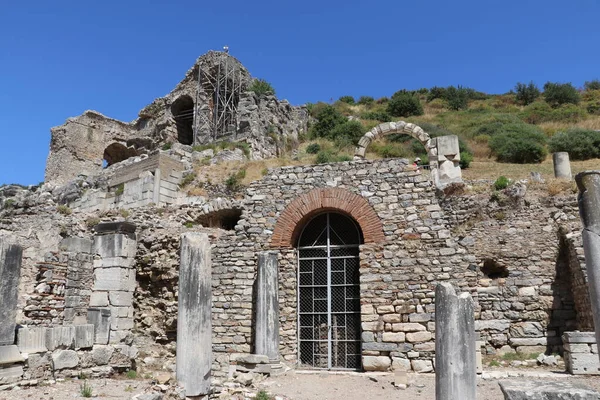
225, 219
329, 293
117, 152
183, 113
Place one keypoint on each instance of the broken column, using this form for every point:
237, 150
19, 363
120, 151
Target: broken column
445, 163
11, 368
455, 364
194, 326
562, 166
266, 341
588, 183
114, 280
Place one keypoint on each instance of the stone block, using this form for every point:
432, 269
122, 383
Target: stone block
392, 318
31, 340
534, 389
397, 337
368, 337
419, 317
121, 299
577, 347
60, 337
76, 245
10, 355
100, 318
408, 327
99, 299
582, 364
526, 330
63, 359
114, 245
378, 346
84, 336
39, 366
539, 341
497, 325
10, 373
422, 366
101, 354
417, 337
248, 358
376, 363
400, 364
579, 337
10, 272
122, 279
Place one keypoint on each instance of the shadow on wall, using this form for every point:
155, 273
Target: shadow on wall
563, 314
183, 113
117, 152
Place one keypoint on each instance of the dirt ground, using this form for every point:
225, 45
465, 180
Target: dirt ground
302, 386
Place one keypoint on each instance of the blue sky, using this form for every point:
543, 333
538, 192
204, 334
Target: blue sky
60, 58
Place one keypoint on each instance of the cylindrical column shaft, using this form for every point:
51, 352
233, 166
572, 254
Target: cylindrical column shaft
588, 183
562, 165
455, 365
194, 327
267, 307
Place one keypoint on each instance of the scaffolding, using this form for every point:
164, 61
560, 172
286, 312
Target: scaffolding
222, 83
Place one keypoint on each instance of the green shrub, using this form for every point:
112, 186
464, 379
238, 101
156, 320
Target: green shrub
347, 99
347, 133
131, 374
519, 143
465, 159
313, 148
64, 210
327, 119
557, 94
592, 85
540, 111
377, 116
189, 178
527, 93
581, 144
365, 100
457, 98
261, 88
234, 181
262, 395
436, 92
501, 183
404, 104
86, 390
324, 156
167, 146
389, 150
383, 100
591, 99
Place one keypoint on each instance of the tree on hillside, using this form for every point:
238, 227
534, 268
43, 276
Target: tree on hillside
557, 94
404, 104
527, 93
592, 85
261, 87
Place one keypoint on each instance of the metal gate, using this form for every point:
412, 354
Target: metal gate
329, 293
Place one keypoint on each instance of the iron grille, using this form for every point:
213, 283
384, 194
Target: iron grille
329, 293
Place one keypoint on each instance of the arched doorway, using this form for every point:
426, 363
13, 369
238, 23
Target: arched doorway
183, 113
329, 293
117, 152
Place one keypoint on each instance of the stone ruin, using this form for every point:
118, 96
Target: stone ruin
331, 266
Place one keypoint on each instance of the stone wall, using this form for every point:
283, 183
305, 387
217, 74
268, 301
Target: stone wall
398, 273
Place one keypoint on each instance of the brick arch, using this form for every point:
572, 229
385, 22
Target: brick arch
388, 128
303, 208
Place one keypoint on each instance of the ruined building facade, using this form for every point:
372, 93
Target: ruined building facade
357, 246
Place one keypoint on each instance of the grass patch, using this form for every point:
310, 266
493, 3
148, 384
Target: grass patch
64, 210
131, 374
86, 390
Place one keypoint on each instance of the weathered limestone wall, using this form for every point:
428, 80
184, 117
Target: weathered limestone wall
398, 274
530, 273
77, 147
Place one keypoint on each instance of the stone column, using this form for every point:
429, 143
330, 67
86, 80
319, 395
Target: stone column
444, 160
114, 279
455, 364
10, 272
562, 166
194, 326
588, 183
266, 340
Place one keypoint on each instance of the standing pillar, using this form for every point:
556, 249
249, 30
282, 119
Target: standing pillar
266, 341
194, 326
588, 183
10, 272
562, 165
455, 365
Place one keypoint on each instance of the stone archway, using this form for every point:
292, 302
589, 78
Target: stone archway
443, 151
306, 206
117, 152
